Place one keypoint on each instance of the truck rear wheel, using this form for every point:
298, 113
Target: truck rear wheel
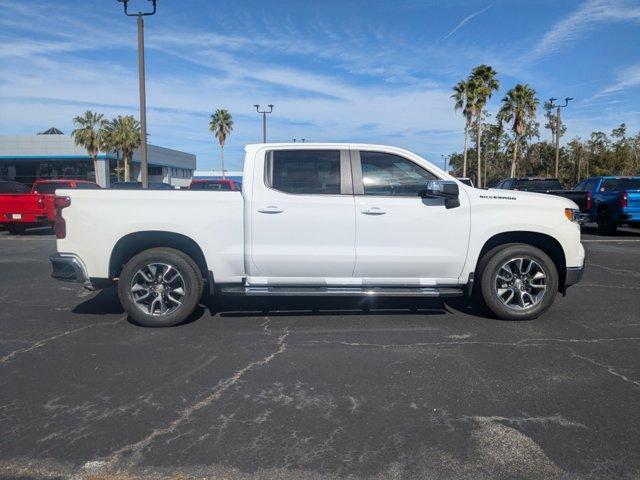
606, 225
160, 287
518, 281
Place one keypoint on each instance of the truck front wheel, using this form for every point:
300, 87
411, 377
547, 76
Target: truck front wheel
17, 229
160, 287
518, 281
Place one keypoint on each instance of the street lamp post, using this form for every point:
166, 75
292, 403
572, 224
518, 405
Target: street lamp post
264, 120
566, 102
144, 166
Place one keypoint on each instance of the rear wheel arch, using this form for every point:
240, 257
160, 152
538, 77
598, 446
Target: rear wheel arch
132, 244
544, 242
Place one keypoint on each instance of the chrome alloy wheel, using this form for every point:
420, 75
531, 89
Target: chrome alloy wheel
158, 289
520, 283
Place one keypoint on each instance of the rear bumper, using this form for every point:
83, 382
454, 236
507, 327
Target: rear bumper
68, 268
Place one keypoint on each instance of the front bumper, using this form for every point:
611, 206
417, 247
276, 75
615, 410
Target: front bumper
573, 275
68, 268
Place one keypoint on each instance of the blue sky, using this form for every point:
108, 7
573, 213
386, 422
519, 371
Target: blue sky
365, 71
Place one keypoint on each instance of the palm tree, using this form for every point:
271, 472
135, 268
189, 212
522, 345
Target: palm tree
89, 133
464, 96
519, 105
221, 125
486, 83
123, 135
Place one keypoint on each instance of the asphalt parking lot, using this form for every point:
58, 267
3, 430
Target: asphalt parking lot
344, 388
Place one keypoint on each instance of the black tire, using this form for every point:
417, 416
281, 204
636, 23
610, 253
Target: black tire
191, 282
606, 225
17, 229
490, 266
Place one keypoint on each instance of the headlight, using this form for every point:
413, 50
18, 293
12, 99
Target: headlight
572, 214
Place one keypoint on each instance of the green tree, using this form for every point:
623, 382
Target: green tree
464, 96
483, 78
519, 105
221, 125
90, 134
123, 135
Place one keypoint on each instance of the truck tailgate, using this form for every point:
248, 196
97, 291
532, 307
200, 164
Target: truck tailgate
26, 207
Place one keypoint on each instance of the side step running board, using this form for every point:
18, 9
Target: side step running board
345, 291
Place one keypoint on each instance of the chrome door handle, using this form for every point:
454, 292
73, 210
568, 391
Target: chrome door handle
374, 211
271, 209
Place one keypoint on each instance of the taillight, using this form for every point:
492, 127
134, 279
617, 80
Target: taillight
624, 199
588, 200
60, 225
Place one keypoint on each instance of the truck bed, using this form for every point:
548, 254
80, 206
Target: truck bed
97, 219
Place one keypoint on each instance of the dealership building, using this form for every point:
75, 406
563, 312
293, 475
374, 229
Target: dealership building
52, 154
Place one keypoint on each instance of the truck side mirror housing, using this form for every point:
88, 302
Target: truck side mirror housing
442, 189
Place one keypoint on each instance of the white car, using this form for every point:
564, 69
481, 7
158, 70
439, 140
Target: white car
321, 219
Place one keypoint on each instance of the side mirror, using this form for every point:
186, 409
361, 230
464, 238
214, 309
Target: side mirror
442, 189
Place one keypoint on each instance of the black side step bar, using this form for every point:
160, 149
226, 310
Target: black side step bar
344, 291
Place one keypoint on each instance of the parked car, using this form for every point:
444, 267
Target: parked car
138, 186
614, 201
21, 208
214, 184
550, 186
322, 219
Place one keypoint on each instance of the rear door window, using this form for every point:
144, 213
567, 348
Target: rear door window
304, 172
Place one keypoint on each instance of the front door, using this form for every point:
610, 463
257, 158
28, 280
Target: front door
402, 238
302, 218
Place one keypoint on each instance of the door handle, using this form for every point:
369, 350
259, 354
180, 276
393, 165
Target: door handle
271, 209
374, 211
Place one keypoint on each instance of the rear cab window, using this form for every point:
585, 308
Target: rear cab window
50, 187
87, 186
619, 184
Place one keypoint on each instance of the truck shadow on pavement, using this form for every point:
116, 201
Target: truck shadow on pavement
106, 302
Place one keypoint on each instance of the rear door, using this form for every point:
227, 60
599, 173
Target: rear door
302, 217
402, 238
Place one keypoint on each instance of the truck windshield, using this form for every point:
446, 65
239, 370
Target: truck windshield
537, 185
617, 184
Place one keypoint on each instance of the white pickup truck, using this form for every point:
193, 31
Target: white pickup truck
321, 219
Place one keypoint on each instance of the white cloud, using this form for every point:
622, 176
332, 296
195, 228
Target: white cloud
588, 16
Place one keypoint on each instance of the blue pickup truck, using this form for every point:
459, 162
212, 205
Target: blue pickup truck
613, 201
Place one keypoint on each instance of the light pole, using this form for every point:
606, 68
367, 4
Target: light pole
566, 102
264, 120
144, 167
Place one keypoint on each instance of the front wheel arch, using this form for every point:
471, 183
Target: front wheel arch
544, 242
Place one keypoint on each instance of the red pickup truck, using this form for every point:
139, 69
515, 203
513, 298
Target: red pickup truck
21, 208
